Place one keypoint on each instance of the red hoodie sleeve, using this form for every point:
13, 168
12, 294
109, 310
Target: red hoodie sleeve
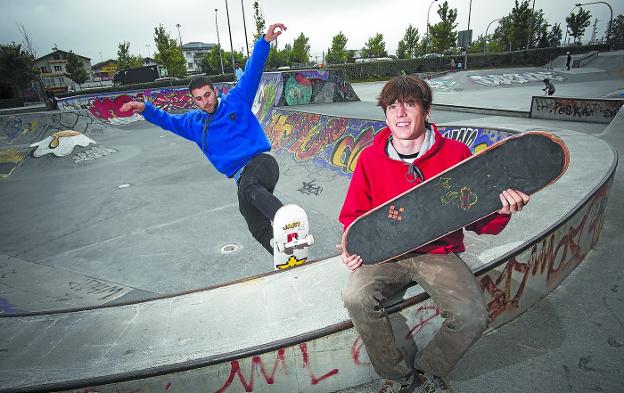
491, 225
358, 200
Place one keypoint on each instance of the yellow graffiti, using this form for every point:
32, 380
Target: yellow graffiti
56, 137
292, 225
292, 262
480, 147
10, 155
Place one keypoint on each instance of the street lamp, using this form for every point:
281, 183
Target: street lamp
179, 36
245, 29
468, 33
528, 45
218, 40
227, 14
486, 31
428, 12
610, 19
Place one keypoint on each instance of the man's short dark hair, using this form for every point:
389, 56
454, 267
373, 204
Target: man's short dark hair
200, 81
405, 88
546, 80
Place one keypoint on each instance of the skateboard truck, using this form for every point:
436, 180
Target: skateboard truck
295, 243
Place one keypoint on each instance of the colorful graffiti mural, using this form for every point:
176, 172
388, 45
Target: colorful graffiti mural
575, 109
477, 139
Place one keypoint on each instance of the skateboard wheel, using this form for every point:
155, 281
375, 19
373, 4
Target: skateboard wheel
310, 240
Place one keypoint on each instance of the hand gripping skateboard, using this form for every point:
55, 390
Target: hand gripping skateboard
456, 197
291, 237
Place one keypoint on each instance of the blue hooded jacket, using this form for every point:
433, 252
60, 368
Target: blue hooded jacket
234, 135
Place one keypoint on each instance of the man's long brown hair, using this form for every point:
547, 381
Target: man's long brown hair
405, 88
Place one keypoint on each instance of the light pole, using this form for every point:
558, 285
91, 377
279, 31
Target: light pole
245, 29
218, 40
610, 19
468, 43
486, 32
428, 12
179, 36
149, 54
227, 14
528, 45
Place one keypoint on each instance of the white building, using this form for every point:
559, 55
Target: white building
53, 70
194, 52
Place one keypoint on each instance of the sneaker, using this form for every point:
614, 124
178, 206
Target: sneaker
408, 386
434, 384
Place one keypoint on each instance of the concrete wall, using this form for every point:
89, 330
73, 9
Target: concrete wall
594, 110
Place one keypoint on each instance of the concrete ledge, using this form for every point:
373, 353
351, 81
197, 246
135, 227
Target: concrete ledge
593, 110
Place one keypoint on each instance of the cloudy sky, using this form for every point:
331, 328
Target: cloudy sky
95, 28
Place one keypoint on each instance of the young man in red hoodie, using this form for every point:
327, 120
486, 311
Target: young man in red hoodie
407, 152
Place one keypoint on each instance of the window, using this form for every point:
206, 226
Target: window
62, 80
44, 70
57, 56
190, 65
58, 68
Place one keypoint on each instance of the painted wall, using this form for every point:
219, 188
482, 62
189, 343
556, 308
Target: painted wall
594, 110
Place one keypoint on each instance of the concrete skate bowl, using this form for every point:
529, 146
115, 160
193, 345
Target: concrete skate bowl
288, 331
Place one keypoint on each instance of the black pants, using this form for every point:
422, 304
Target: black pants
256, 201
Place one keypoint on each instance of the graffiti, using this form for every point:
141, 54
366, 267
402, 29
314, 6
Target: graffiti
595, 110
549, 261
332, 142
258, 364
269, 93
60, 143
441, 84
174, 101
477, 139
311, 188
348, 150
9, 159
509, 79
93, 153
24, 129
461, 197
91, 286
314, 86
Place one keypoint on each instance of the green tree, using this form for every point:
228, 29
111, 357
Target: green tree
259, 19
337, 54
125, 59
300, 50
211, 62
278, 58
523, 25
408, 46
443, 34
555, 35
16, 69
169, 53
75, 69
375, 47
616, 29
577, 23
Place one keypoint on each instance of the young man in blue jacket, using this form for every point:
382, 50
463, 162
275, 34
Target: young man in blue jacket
231, 137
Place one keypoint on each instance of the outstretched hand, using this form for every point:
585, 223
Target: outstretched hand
513, 201
274, 31
134, 106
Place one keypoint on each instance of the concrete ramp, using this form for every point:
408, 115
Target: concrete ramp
593, 110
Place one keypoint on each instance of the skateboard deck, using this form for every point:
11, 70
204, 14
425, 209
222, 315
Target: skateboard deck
456, 197
291, 237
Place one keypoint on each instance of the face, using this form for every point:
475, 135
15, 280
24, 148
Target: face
205, 98
406, 120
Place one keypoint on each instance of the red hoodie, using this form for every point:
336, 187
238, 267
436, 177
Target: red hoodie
378, 178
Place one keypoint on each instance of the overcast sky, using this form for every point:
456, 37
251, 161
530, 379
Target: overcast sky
95, 28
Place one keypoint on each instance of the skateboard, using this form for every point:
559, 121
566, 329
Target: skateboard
457, 197
291, 237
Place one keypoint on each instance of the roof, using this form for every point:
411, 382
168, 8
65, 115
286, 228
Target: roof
198, 46
63, 52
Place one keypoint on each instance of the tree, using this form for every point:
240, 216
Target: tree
555, 35
211, 62
16, 69
375, 47
260, 22
443, 34
300, 50
522, 26
75, 69
278, 58
408, 46
337, 54
616, 31
169, 53
125, 59
577, 23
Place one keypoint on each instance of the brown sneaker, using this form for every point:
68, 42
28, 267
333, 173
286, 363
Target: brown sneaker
434, 384
407, 386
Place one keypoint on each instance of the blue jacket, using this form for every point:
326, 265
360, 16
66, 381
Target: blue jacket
234, 135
